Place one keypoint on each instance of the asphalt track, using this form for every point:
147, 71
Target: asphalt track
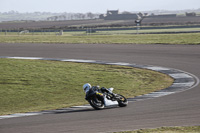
179, 109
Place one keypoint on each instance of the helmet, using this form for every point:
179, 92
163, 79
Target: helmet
86, 87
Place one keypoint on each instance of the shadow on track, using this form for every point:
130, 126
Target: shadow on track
74, 110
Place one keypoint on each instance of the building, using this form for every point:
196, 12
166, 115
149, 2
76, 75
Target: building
115, 15
190, 14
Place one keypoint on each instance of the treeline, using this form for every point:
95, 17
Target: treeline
74, 16
43, 16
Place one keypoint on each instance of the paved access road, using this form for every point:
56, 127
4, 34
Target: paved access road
180, 109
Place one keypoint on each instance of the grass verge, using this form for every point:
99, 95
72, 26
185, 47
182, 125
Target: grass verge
192, 129
187, 38
34, 85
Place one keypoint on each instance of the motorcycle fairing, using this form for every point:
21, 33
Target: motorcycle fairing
108, 102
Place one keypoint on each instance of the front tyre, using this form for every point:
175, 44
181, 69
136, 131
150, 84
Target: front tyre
122, 101
96, 104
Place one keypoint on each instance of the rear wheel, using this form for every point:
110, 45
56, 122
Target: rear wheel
96, 104
122, 101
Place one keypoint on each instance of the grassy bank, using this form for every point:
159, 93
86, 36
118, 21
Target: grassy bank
187, 38
32, 85
192, 129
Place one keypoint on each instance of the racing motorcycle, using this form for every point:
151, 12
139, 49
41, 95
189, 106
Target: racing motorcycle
100, 98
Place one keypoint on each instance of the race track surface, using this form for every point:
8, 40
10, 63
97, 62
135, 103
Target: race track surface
179, 109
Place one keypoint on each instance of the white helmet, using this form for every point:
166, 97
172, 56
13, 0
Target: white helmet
86, 87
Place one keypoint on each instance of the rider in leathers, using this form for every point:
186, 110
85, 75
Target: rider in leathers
87, 87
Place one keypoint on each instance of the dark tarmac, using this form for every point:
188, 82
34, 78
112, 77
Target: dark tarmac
179, 109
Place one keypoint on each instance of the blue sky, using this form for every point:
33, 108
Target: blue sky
95, 6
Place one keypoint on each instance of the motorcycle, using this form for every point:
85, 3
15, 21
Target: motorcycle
101, 98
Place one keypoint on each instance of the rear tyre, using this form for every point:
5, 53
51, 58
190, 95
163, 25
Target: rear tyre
96, 104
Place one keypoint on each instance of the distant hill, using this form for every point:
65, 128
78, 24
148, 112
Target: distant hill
156, 12
43, 16
16, 16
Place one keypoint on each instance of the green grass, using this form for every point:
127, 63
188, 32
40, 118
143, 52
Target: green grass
33, 85
188, 38
192, 129
147, 31
105, 37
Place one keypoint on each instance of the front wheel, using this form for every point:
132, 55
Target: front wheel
122, 101
96, 104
